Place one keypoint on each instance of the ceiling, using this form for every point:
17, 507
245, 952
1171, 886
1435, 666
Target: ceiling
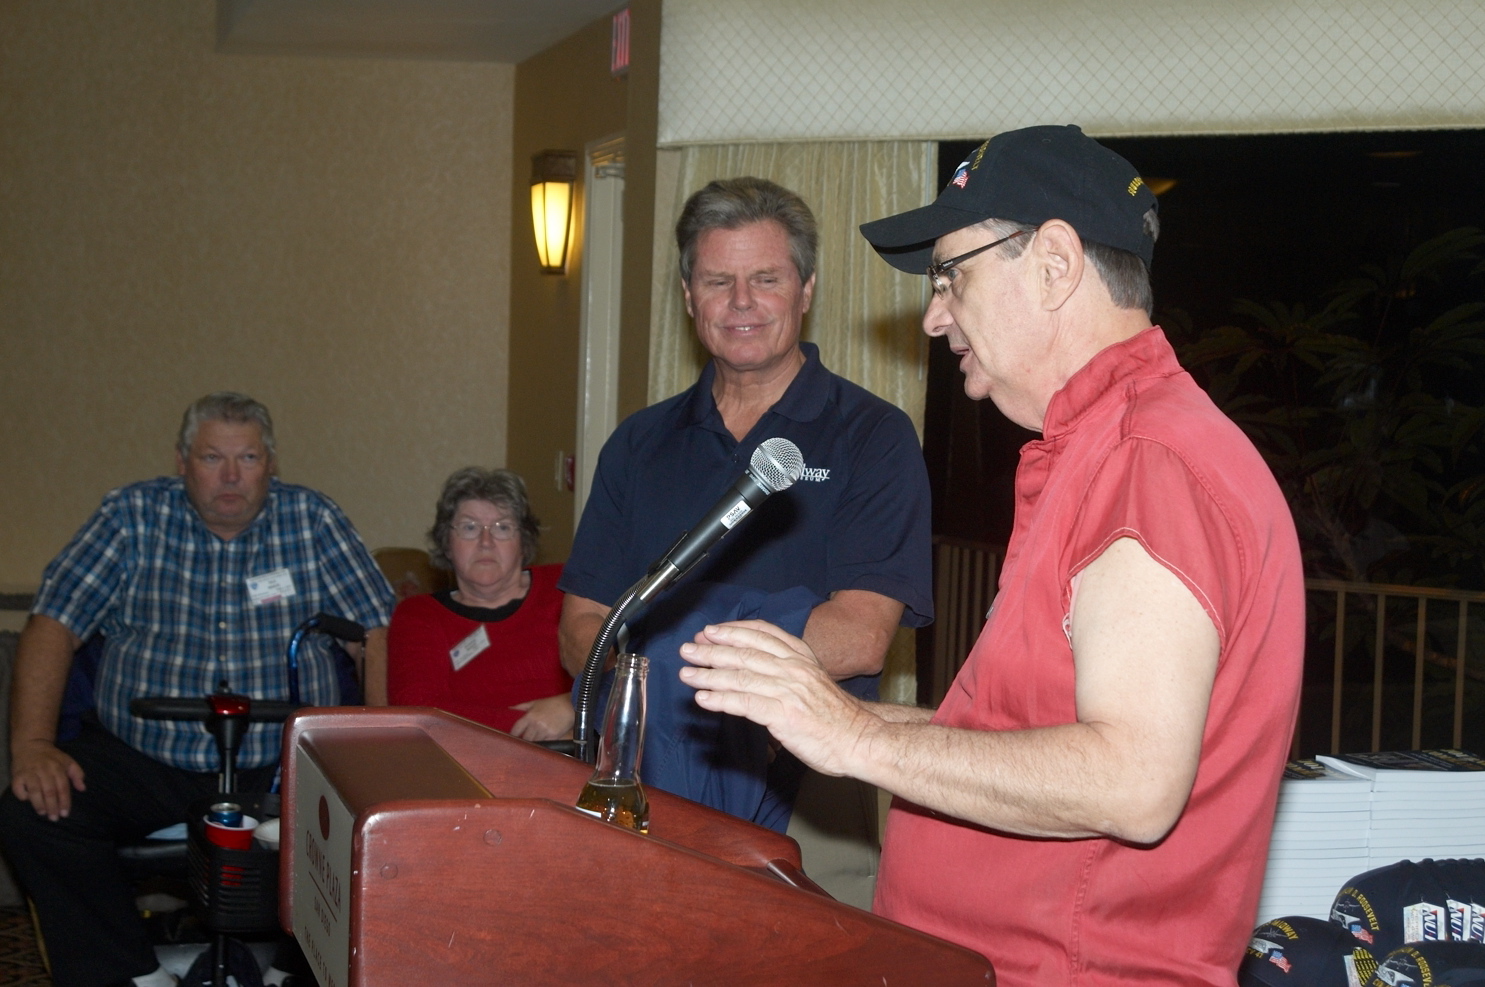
453, 30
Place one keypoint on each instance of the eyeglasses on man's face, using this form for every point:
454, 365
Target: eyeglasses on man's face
942, 274
468, 530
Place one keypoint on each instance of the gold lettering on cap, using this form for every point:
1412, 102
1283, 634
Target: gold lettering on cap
979, 153
1134, 186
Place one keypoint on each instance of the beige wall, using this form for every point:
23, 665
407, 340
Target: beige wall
639, 205
565, 99
331, 236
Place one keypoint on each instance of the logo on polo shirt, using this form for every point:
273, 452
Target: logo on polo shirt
815, 475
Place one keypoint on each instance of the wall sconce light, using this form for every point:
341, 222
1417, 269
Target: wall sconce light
553, 176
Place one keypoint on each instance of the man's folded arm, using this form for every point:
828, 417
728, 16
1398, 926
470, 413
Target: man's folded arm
851, 632
578, 629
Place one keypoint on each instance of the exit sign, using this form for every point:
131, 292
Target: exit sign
618, 59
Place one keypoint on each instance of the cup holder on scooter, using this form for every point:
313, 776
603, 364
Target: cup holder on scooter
236, 890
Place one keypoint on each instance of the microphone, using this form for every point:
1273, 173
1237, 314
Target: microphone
775, 465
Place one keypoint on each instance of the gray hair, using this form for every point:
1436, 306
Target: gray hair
1124, 274
732, 203
224, 406
503, 488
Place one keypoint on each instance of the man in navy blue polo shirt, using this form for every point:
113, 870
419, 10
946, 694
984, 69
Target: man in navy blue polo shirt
842, 557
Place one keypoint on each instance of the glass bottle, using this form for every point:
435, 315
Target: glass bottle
614, 793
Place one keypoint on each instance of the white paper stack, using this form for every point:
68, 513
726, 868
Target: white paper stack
1424, 804
1319, 840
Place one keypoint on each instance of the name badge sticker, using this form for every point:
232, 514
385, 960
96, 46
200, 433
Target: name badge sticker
270, 587
468, 649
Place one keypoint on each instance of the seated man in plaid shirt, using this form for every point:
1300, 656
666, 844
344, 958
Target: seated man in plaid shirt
193, 581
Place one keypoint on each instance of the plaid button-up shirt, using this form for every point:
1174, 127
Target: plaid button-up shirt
172, 601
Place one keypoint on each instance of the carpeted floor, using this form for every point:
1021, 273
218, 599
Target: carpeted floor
20, 961
21, 966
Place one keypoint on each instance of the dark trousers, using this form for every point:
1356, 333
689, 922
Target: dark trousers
70, 868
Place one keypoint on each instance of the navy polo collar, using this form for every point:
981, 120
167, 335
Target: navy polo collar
803, 401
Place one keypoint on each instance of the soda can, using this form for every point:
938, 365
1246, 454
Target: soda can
225, 814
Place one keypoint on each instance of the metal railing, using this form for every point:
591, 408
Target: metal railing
1374, 601
1351, 625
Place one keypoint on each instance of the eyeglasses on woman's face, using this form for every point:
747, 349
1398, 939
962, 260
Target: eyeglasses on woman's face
467, 529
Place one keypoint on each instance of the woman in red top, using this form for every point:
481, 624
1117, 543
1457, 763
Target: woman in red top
486, 650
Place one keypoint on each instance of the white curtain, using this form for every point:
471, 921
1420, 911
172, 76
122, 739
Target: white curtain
940, 69
865, 314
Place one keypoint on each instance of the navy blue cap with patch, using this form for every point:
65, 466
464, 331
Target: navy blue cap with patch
1463, 881
1297, 951
1432, 964
1391, 905
1027, 176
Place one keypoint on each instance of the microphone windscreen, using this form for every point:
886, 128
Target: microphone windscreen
776, 464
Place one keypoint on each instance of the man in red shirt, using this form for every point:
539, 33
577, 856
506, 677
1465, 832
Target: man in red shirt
1092, 802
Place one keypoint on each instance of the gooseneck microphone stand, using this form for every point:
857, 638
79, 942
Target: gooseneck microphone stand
615, 631
774, 466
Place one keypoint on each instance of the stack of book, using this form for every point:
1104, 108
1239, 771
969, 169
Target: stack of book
1342, 815
1424, 804
1319, 840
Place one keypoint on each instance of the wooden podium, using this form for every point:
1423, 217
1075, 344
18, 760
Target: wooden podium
418, 847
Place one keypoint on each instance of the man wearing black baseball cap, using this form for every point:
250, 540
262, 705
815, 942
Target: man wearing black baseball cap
1092, 801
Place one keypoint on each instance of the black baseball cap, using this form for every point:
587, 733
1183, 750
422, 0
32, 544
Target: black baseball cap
1027, 176
1297, 951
